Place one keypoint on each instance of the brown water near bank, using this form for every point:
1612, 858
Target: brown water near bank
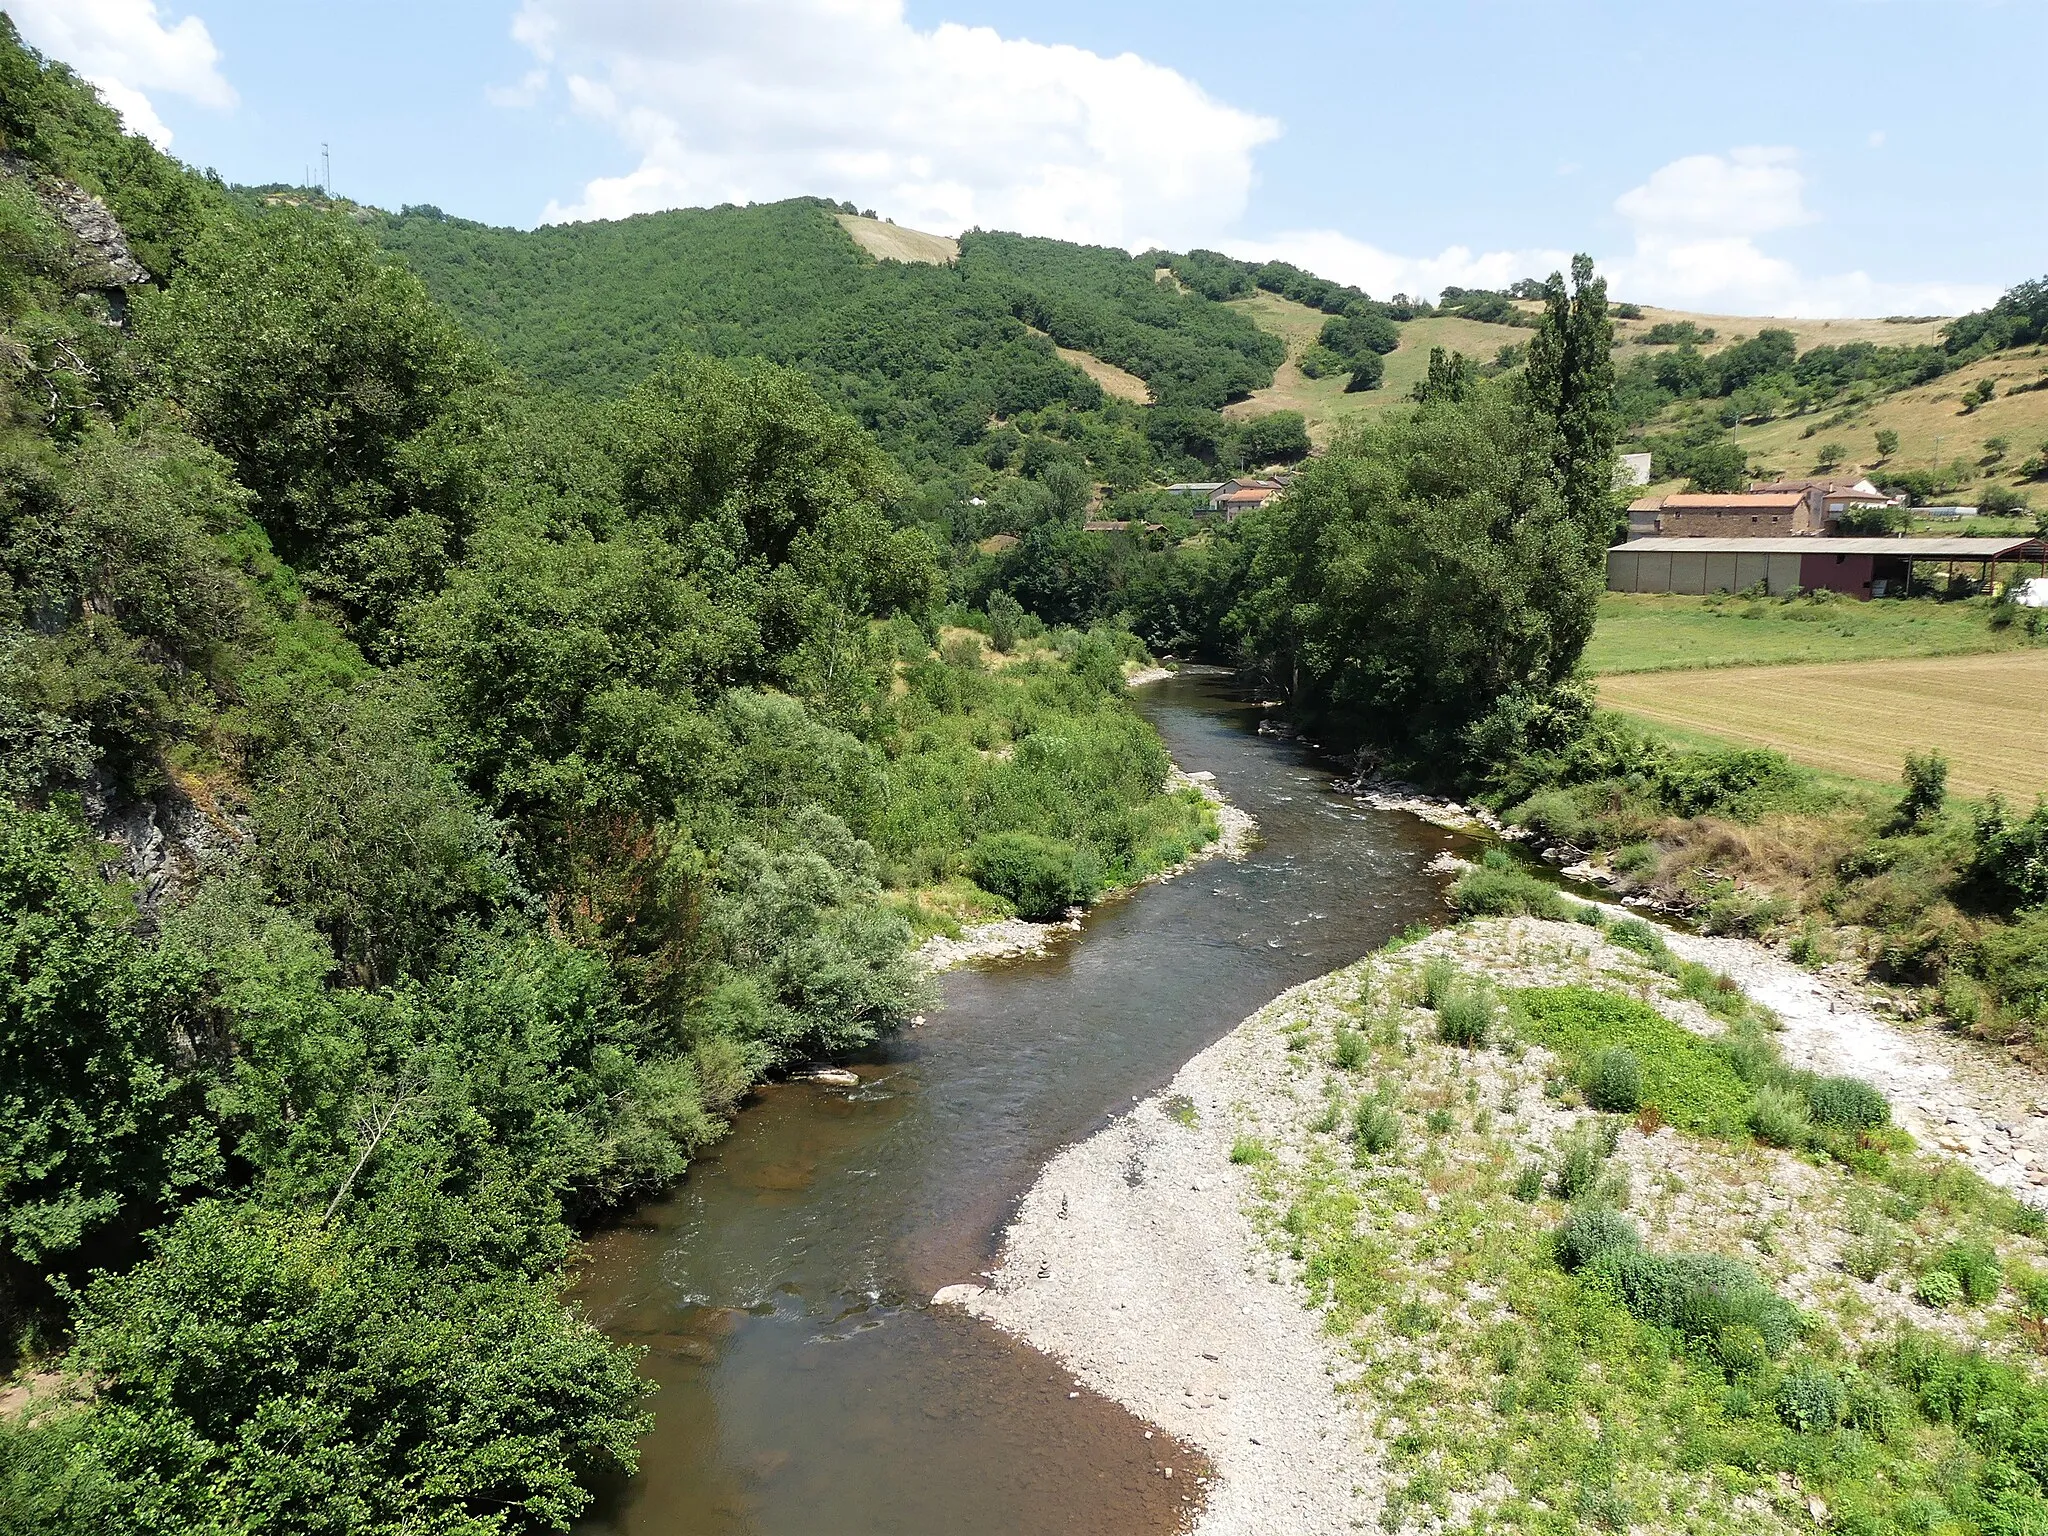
806, 1385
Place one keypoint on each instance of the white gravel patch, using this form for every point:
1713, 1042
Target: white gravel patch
1950, 1092
1132, 1261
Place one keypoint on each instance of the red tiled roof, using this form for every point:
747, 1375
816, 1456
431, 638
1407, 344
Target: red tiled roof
1737, 501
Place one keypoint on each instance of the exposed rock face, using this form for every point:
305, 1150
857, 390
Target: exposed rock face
161, 842
100, 254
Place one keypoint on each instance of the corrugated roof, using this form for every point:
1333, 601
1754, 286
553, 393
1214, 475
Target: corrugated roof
1918, 549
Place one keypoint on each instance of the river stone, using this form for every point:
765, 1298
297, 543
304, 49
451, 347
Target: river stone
956, 1295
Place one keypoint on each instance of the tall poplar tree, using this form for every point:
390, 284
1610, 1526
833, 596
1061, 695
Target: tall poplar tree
1570, 379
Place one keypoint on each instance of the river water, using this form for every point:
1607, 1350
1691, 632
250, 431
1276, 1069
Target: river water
806, 1387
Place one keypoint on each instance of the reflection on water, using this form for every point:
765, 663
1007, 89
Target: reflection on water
805, 1385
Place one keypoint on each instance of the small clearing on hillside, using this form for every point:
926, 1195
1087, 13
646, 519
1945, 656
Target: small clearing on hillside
892, 242
1989, 714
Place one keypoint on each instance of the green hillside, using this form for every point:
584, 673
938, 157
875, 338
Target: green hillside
934, 359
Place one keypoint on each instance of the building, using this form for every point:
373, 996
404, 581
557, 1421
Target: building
1780, 509
1635, 469
1202, 489
1234, 498
1860, 568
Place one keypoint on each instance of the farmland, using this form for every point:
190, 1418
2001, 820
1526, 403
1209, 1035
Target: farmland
1987, 713
1639, 632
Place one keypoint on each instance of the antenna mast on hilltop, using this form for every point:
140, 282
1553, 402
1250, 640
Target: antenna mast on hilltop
326, 172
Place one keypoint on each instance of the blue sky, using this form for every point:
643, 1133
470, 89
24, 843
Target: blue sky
1807, 156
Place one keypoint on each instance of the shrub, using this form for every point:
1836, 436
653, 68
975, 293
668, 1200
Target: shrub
1939, 1288
1352, 1050
1438, 1122
1591, 1231
1847, 1102
1465, 1018
1249, 1149
1636, 859
1376, 1129
1867, 1258
1925, 778
1700, 1294
1778, 1117
1038, 875
1810, 1400
1741, 1349
1554, 814
1528, 1183
1005, 620
1439, 976
1870, 1406
1614, 1080
1579, 1158
1633, 933
1977, 1270
1491, 891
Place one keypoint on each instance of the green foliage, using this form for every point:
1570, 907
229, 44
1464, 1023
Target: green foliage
1249, 1150
1939, 1288
1887, 442
1614, 1080
1703, 1296
1375, 1129
1779, 1116
259, 1371
100, 1122
1591, 1232
1040, 876
1419, 573
1353, 1050
1690, 1082
1498, 888
1925, 777
1439, 976
1977, 1269
2010, 857
1466, 1018
1846, 1102
1570, 382
1810, 1400
1578, 1161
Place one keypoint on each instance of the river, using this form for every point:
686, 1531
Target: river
806, 1387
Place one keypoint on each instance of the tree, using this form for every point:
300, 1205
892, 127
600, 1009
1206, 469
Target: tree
1005, 615
1570, 382
1829, 454
102, 1124
1279, 437
1451, 377
1980, 393
1367, 370
1887, 442
1719, 467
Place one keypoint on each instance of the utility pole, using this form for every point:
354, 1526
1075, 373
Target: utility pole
326, 172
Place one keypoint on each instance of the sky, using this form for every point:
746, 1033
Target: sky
1796, 157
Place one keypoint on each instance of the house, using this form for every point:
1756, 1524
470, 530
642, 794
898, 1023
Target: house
1855, 567
1234, 498
1780, 509
1635, 469
1203, 489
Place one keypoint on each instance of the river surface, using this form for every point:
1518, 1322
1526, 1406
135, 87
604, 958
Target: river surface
806, 1386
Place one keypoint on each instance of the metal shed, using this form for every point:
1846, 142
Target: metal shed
1856, 567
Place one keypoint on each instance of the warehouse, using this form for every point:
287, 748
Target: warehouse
1860, 568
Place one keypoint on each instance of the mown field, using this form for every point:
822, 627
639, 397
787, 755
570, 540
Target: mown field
1987, 713
1640, 632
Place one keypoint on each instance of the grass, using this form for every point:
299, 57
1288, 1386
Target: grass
1933, 431
1987, 713
1323, 401
1729, 329
1642, 632
1689, 1082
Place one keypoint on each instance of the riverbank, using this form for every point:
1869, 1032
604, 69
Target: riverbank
1236, 833
1387, 1337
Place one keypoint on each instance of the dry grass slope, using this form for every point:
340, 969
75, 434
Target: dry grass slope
1989, 714
891, 242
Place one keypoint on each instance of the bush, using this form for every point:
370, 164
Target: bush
1703, 1295
1939, 1288
1778, 1116
1579, 1158
1493, 891
1465, 1018
1528, 1183
1038, 875
1614, 1081
1249, 1149
1846, 1102
1005, 621
1555, 815
1977, 1270
1810, 1400
1439, 976
1376, 1129
1925, 778
1352, 1050
1591, 1231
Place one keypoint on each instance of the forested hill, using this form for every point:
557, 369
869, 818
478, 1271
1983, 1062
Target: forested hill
924, 355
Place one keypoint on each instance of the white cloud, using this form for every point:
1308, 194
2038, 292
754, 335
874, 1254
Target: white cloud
1382, 274
737, 100
1696, 223
524, 94
126, 48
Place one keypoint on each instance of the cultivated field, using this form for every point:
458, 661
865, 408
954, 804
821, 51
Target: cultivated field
1639, 632
1988, 714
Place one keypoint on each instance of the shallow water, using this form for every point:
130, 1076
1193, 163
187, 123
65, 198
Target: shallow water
806, 1386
